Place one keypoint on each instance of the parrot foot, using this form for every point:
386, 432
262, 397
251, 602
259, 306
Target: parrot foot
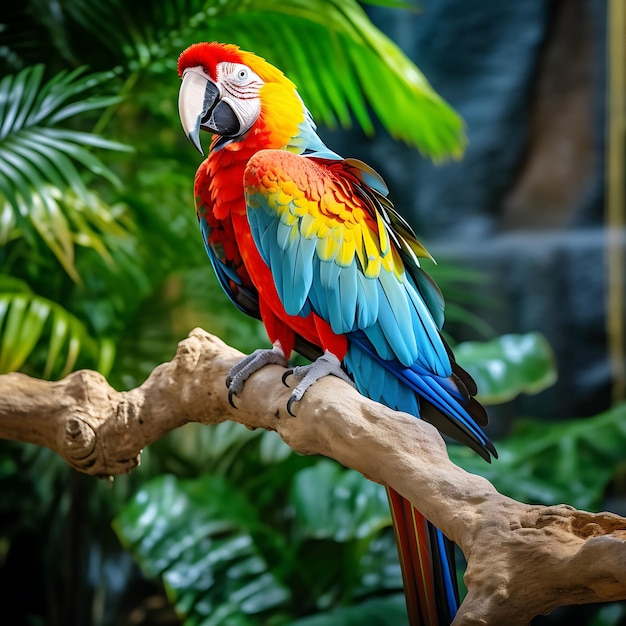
239, 373
327, 364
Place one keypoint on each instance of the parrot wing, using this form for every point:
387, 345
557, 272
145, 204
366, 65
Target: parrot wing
336, 247
231, 273
218, 241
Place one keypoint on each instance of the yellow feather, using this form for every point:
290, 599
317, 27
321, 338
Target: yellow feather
373, 268
322, 229
382, 236
333, 207
294, 235
300, 206
371, 249
345, 256
358, 215
358, 242
398, 266
288, 218
308, 226
327, 248
290, 188
283, 198
387, 263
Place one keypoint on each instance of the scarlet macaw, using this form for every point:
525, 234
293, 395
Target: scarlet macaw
309, 242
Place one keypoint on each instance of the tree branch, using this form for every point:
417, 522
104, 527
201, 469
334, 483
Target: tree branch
522, 560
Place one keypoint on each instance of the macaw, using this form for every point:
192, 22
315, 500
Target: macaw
309, 242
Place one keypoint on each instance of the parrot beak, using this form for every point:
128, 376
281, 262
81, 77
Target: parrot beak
200, 107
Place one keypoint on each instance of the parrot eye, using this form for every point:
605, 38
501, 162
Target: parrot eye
239, 80
241, 74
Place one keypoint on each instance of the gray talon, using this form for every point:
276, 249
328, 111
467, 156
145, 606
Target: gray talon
326, 365
240, 372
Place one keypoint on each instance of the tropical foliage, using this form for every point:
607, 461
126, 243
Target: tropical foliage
101, 267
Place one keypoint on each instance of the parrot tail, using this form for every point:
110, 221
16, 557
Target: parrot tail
426, 555
428, 570
446, 402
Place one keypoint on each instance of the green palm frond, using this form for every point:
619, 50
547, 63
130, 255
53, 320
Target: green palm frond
63, 220
44, 334
343, 65
342, 72
43, 166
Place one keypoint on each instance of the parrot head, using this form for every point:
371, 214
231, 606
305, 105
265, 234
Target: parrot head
224, 90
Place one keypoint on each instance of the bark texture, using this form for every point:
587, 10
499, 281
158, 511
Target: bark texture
523, 560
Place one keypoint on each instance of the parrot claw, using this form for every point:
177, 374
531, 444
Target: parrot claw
231, 395
290, 404
327, 364
286, 375
239, 373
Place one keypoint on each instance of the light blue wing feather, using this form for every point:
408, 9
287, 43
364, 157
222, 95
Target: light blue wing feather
314, 273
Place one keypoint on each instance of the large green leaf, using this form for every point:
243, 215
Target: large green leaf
31, 109
339, 517
389, 611
198, 536
343, 65
206, 540
548, 463
508, 365
331, 502
28, 321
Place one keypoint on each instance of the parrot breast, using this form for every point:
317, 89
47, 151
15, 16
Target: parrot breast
221, 206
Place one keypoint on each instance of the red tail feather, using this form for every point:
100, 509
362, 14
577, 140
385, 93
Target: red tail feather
417, 554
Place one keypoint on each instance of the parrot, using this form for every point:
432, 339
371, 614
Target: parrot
310, 243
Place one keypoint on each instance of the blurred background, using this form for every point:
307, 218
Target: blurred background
519, 195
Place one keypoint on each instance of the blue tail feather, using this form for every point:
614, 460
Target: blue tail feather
416, 391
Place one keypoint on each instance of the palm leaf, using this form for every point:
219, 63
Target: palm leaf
29, 322
341, 62
63, 220
43, 166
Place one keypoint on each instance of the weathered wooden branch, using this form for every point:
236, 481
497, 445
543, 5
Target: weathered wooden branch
522, 560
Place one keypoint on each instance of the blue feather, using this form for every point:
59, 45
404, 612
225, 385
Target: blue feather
366, 301
329, 275
447, 574
439, 391
394, 317
347, 296
329, 290
431, 350
297, 274
380, 384
317, 295
283, 235
430, 293
265, 231
377, 338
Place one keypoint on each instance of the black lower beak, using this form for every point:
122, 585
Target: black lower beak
220, 118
